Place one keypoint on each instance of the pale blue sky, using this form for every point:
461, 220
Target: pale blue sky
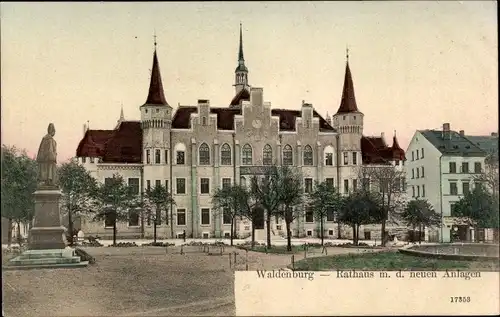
415, 65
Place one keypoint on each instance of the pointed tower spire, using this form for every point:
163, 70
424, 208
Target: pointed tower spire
348, 101
240, 53
241, 71
156, 95
122, 117
397, 151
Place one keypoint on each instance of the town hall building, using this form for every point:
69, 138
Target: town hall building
192, 150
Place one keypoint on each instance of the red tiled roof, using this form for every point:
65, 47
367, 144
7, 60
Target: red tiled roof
348, 101
243, 94
123, 145
156, 94
225, 118
375, 151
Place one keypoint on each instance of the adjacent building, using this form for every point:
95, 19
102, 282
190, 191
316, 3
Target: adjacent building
442, 165
194, 149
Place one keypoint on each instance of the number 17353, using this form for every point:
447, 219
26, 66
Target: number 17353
460, 299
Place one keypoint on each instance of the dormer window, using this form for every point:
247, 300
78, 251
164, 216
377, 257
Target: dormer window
146, 110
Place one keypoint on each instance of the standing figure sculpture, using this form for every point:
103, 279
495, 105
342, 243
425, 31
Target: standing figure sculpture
47, 159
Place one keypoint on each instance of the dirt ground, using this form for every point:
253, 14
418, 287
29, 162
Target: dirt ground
138, 281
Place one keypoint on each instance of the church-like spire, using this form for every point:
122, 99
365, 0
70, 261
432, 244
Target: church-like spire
240, 53
156, 95
122, 117
348, 101
395, 143
397, 151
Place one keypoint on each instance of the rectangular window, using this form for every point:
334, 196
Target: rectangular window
109, 218
346, 158
148, 184
181, 186
453, 167
166, 156
330, 214
412, 156
396, 162
477, 167
423, 190
346, 185
422, 153
418, 172
180, 158
354, 158
157, 156
226, 183
329, 182
166, 185
148, 157
453, 189
413, 191
133, 185
329, 159
204, 186
465, 188
452, 209
157, 183
403, 183
133, 218
309, 215
465, 167
354, 184
308, 185
84, 160
181, 217
418, 191
226, 216
308, 158
422, 172
91, 160
412, 173
417, 154
397, 184
205, 216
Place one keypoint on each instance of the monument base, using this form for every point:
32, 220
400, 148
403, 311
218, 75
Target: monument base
47, 232
42, 238
49, 258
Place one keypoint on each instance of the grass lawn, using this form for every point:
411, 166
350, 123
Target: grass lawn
276, 249
389, 261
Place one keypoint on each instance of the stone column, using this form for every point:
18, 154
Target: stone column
47, 231
194, 190
216, 184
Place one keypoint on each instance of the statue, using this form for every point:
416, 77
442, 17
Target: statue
47, 159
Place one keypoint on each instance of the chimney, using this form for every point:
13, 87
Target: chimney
84, 129
446, 131
382, 135
495, 134
462, 132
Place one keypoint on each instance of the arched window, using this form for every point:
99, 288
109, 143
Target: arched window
204, 154
225, 154
246, 157
267, 155
287, 155
308, 155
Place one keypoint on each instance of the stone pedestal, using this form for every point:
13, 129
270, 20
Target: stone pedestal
47, 232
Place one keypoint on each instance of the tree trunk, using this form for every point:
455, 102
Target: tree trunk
322, 232
420, 234
154, 231
19, 237
354, 241
288, 236
114, 232
339, 236
357, 234
231, 235
9, 233
268, 227
253, 234
70, 227
142, 223
384, 238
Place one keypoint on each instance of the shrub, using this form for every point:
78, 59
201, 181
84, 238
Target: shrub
124, 245
93, 243
157, 244
84, 255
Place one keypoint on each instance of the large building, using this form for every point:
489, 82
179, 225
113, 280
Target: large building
442, 166
196, 149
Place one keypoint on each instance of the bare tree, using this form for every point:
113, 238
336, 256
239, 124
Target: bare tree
489, 176
390, 184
